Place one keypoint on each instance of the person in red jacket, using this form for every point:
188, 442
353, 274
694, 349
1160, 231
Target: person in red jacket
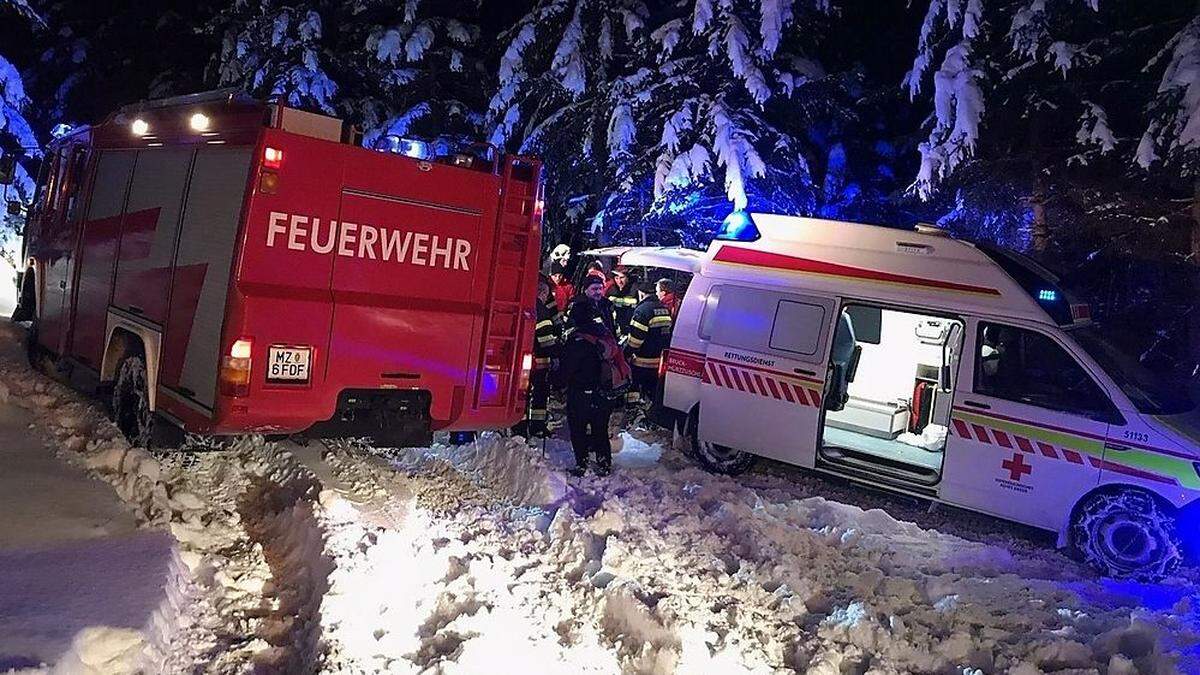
665, 291
564, 290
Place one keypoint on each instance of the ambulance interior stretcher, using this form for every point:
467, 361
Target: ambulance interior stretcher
889, 404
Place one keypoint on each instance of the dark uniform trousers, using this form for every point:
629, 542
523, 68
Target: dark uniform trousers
587, 418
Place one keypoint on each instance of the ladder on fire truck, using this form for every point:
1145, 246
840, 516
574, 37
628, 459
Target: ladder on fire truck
511, 252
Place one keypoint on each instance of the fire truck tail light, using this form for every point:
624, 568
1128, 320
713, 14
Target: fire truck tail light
526, 366
272, 157
268, 182
241, 349
235, 369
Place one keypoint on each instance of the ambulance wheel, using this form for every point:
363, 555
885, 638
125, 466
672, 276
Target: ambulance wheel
715, 457
131, 402
1127, 535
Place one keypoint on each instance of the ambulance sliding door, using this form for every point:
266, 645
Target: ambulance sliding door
764, 372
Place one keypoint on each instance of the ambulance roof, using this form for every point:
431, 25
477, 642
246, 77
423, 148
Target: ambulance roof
926, 269
667, 257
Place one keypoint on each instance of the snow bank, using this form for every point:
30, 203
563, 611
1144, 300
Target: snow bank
507, 466
247, 572
662, 568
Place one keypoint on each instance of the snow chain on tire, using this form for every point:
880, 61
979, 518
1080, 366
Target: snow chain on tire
1127, 535
715, 457
131, 402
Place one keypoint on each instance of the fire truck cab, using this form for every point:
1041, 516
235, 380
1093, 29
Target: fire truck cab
952, 371
230, 266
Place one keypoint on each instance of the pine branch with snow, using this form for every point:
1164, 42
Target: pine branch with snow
1172, 135
671, 116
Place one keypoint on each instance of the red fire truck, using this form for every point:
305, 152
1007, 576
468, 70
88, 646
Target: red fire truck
232, 266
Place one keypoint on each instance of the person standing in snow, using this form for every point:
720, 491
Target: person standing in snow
595, 373
563, 289
649, 334
665, 290
624, 297
546, 342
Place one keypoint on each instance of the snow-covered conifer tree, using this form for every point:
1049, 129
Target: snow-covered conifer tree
666, 117
1026, 89
17, 139
413, 68
279, 50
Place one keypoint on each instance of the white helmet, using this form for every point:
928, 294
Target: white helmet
560, 254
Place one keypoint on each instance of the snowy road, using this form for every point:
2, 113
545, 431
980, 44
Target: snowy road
485, 559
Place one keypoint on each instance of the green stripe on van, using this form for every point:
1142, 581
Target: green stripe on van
1164, 465
1087, 446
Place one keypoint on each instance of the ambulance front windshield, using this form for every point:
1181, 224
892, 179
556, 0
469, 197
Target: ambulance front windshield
1151, 393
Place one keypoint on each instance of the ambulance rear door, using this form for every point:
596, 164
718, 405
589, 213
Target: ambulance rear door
764, 370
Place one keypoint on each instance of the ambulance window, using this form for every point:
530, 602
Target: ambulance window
1028, 367
797, 327
708, 316
867, 322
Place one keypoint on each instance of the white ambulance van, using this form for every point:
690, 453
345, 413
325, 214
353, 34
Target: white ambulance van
931, 366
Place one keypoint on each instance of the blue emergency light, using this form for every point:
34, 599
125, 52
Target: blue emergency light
738, 226
1047, 295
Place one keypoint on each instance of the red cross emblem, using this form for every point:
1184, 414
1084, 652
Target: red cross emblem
1017, 467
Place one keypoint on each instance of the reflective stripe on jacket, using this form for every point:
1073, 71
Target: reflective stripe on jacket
649, 333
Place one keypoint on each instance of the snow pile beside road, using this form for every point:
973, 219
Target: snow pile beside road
506, 465
662, 568
247, 576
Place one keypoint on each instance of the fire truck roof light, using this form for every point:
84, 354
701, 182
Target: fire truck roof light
199, 122
139, 127
413, 148
272, 157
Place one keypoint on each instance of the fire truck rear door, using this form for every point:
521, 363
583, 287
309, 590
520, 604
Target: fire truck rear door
405, 278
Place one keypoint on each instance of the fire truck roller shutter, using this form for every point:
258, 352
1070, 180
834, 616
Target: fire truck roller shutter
200, 277
97, 254
148, 232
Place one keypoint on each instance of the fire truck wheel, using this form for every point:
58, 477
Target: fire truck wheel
1127, 535
715, 457
131, 402
33, 350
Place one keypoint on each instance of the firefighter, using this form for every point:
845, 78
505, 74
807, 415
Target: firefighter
561, 254
563, 289
546, 342
596, 269
624, 297
649, 335
595, 373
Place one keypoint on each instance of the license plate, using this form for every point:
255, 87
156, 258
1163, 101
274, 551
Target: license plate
288, 364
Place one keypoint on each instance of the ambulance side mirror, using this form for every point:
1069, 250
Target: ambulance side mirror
14, 208
8, 169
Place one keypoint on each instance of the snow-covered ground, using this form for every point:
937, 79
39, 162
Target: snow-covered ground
485, 558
